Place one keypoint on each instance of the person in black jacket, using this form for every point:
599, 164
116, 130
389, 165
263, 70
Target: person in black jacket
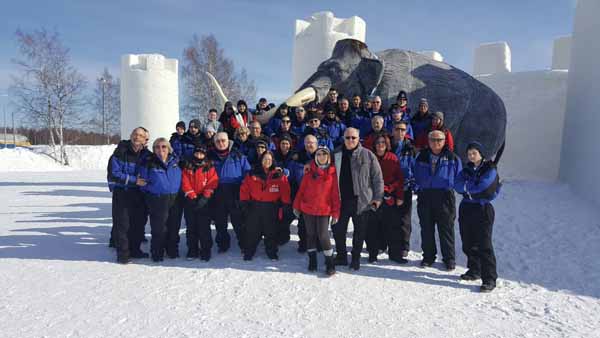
128, 208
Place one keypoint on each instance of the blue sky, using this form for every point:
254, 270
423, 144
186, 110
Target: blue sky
258, 35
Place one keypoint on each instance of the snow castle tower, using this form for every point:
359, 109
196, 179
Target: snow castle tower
149, 94
315, 38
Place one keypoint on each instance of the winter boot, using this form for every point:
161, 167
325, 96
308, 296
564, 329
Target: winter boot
341, 259
487, 287
355, 263
329, 266
312, 261
205, 255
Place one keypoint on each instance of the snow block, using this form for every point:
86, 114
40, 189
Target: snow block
315, 38
580, 160
535, 113
432, 54
149, 94
492, 58
561, 54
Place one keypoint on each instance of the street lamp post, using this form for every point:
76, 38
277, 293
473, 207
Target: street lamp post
103, 81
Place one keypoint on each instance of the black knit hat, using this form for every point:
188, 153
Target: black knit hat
241, 102
311, 116
180, 124
476, 145
201, 148
402, 95
285, 137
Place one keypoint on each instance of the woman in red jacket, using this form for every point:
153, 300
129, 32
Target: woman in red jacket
385, 230
261, 194
318, 199
199, 180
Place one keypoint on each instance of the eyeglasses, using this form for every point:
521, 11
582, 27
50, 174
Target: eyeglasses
350, 137
286, 121
313, 121
161, 146
400, 129
438, 140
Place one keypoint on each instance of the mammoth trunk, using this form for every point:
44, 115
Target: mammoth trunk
321, 85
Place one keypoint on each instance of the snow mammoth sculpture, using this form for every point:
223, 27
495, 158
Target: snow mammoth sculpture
472, 110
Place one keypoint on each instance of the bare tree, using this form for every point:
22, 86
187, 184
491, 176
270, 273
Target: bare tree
106, 105
204, 55
48, 89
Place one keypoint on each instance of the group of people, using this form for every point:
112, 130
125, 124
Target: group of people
322, 164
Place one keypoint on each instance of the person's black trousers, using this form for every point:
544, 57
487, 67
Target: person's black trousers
340, 229
129, 219
476, 224
226, 203
437, 207
261, 220
163, 224
198, 228
405, 215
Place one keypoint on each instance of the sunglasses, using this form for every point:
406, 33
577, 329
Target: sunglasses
313, 121
350, 137
438, 140
286, 121
400, 129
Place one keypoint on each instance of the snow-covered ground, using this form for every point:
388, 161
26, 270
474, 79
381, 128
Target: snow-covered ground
58, 277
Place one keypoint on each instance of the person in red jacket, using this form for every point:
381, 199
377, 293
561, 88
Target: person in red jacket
437, 123
262, 192
385, 230
318, 198
198, 182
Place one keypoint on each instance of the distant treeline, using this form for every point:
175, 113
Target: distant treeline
71, 136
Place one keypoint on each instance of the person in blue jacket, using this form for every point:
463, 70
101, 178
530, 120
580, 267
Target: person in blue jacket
161, 174
435, 171
479, 185
232, 166
192, 138
404, 149
178, 139
128, 208
335, 127
314, 128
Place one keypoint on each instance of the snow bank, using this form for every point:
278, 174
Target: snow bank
36, 158
24, 159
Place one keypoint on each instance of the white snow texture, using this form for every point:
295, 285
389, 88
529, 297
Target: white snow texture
59, 279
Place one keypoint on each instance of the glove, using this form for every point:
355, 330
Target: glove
334, 220
201, 202
297, 213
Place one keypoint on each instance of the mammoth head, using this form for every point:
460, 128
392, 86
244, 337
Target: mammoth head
352, 68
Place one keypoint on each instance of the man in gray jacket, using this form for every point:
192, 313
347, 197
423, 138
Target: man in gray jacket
361, 193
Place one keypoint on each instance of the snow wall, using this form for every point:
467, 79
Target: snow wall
315, 38
580, 159
535, 111
149, 94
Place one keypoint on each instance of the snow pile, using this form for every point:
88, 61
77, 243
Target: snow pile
59, 278
24, 159
37, 158
492, 58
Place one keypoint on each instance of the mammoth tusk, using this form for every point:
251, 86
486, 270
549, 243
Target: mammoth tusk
301, 98
218, 90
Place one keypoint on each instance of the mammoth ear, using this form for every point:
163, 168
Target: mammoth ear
370, 72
